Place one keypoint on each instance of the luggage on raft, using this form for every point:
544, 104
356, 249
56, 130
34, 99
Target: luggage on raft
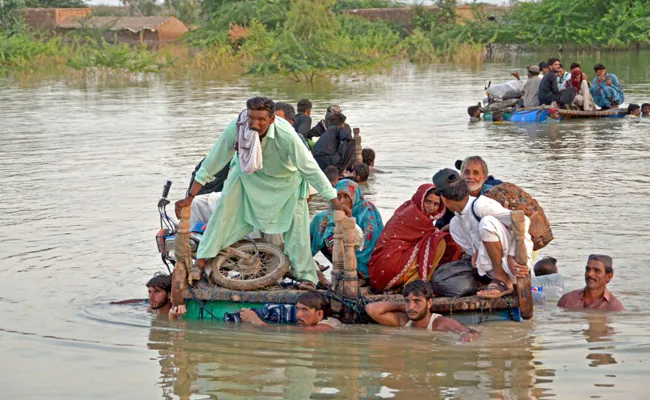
513, 198
455, 279
507, 90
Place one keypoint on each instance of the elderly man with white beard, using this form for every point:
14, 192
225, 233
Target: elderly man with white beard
474, 171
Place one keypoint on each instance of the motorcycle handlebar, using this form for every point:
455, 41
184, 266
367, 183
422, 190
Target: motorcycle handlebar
166, 188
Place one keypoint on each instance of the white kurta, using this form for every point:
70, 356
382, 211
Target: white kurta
470, 234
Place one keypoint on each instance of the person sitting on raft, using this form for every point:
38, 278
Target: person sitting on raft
322, 126
474, 171
302, 123
410, 247
531, 87
415, 312
480, 227
598, 272
367, 218
582, 100
606, 88
549, 90
336, 146
311, 309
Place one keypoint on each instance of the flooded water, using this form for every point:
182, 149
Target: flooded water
82, 167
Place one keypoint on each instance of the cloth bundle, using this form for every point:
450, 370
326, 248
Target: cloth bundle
249, 147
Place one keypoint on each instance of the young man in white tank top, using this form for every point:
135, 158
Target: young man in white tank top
416, 312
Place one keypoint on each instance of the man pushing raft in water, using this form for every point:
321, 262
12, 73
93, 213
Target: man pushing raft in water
267, 187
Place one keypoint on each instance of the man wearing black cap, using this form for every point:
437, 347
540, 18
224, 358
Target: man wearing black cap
481, 227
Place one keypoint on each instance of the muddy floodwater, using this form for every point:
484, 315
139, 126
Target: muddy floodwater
82, 166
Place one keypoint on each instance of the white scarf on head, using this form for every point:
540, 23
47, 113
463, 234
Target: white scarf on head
248, 145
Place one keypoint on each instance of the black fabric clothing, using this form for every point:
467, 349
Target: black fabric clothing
320, 129
335, 147
302, 124
216, 185
549, 91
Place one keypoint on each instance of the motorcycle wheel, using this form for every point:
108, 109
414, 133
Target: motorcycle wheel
269, 265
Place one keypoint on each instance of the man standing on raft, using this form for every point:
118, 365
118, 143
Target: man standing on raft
267, 187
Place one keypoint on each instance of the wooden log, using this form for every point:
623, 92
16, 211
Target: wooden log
350, 284
183, 254
518, 227
357, 142
338, 260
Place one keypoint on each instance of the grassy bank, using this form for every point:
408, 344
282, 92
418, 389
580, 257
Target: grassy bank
303, 39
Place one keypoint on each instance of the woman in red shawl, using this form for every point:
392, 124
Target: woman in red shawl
410, 246
583, 99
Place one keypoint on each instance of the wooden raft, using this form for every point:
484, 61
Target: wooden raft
569, 114
345, 283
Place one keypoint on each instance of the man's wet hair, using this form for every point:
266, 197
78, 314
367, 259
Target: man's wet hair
552, 60
288, 109
418, 288
472, 109
575, 65
368, 155
161, 281
314, 299
545, 266
456, 192
496, 116
632, 107
606, 260
474, 159
337, 119
261, 104
332, 173
304, 105
362, 171
645, 105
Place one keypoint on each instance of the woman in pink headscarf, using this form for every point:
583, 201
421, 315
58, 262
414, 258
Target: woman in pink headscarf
410, 246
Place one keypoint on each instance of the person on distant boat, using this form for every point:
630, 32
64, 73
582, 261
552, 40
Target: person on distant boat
553, 116
302, 124
415, 312
562, 76
312, 310
336, 146
633, 111
322, 126
474, 113
410, 247
543, 68
583, 100
531, 87
497, 117
267, 187
645, 110
159, 288
606, 88
549, 91
598, 273
481, 227
368, 218
287, 112
368, 157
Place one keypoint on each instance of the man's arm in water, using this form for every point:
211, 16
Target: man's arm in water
248, 315
387, 313
445, 324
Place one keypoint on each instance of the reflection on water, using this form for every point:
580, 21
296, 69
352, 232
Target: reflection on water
83, 165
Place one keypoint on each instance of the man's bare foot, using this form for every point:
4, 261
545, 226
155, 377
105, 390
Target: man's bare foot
306, 285
496, 289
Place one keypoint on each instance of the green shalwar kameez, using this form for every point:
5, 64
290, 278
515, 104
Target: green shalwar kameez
273, 199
